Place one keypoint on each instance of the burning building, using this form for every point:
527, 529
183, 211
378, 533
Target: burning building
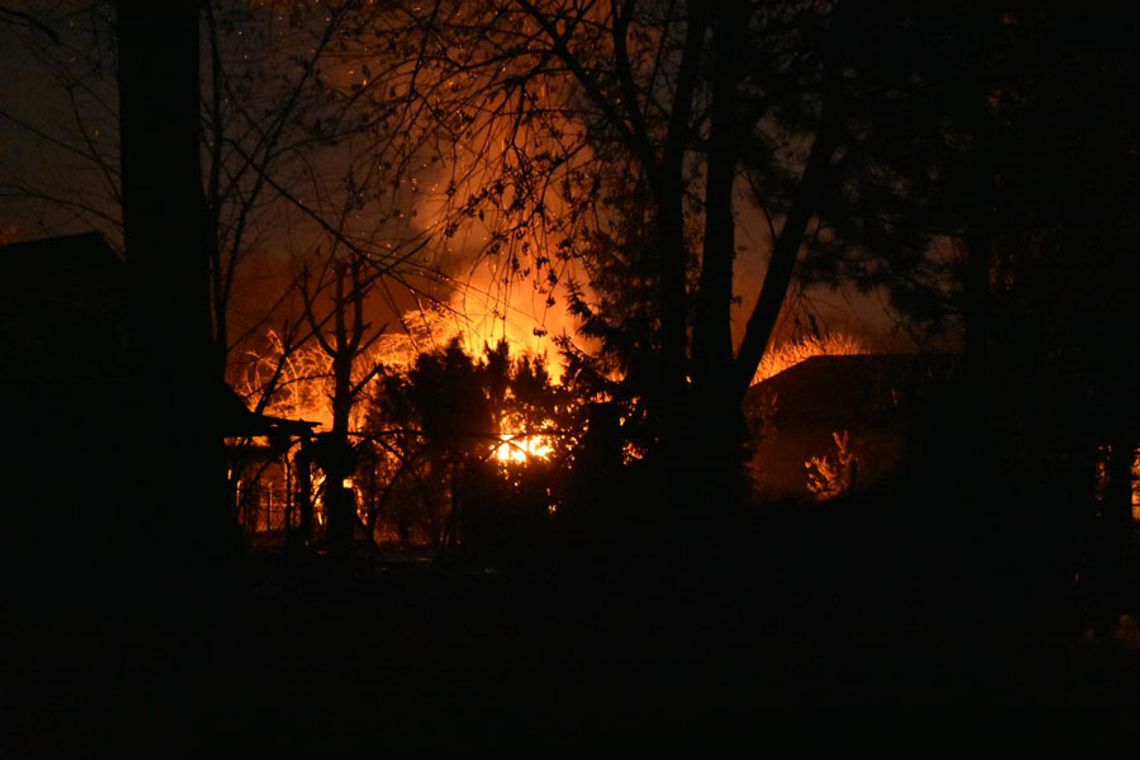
833, 424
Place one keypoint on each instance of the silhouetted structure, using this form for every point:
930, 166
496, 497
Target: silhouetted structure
63, 372
261, 474
62, 314
876, 398
63, 368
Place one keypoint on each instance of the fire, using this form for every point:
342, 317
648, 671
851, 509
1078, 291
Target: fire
1136, 486
791, 353
521, 446
520, 449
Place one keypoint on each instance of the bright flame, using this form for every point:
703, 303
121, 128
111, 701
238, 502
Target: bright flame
1136, 486
519, 449
791, 353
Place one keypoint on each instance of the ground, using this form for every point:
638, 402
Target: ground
433, 660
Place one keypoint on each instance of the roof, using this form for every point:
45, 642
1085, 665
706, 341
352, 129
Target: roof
239, 422
63, 321
62, 310
857, 391
80, 245
36, 266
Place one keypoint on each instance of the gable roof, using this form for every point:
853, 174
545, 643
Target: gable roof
63, 319
62, 310
82, 245
37, 267
856, 391
239, 421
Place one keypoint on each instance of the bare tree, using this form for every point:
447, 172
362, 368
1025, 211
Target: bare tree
345, 341
282, 132
537, 110
62, 172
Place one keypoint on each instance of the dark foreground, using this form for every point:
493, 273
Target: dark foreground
807, 645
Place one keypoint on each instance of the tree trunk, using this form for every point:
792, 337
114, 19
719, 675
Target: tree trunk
712, 334
666, 180
978, 433
178, 514
716, 424
179, 537
975, 354
782, 265
674, 318
339, 500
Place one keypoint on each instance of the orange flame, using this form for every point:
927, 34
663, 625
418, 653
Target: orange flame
792, 352
520, 449
522, 446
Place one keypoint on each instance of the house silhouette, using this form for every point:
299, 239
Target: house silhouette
877, 399
64, 371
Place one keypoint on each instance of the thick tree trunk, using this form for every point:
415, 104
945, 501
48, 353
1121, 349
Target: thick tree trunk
178, 514
179, 536
712, 335
975, 354
782, 265
666, 180
339, 465
977, 415
672, 253
716, 424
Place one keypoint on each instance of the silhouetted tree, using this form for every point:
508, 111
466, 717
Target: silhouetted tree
179, 483
495, 431
345, 342
559, 97
998, 197
1027, 164
282, 133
